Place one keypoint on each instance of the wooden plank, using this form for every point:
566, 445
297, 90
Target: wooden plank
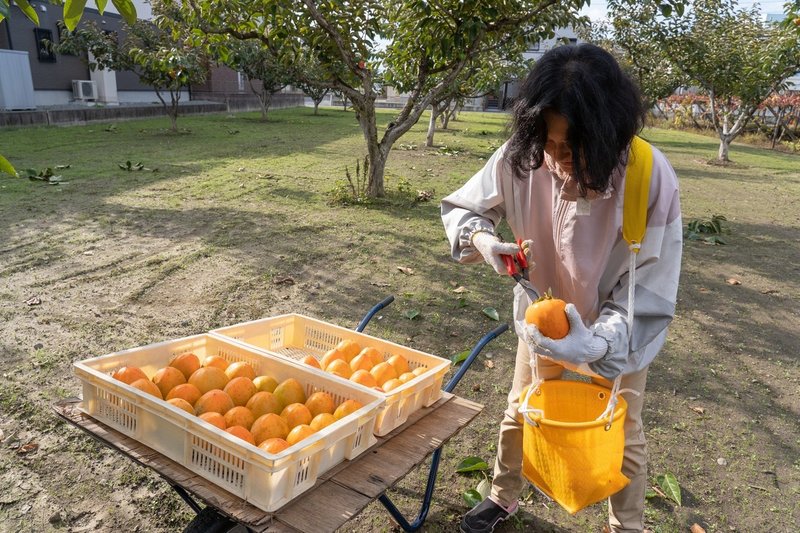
176, 474
378, 470
412, 419
329, 507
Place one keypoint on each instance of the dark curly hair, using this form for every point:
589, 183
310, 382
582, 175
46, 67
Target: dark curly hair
602, 105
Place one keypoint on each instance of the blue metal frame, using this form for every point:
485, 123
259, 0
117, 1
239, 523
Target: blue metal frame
380, 305
426, 502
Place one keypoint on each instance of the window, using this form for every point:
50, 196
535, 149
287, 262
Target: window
240, 77
44, 44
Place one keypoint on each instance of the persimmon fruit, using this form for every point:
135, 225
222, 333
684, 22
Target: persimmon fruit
548, 315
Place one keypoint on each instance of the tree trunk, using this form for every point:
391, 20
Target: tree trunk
265, 99
173, 117
435, 112
377, 153
724, 145
377, 167
316, 105
446, 117
445, 113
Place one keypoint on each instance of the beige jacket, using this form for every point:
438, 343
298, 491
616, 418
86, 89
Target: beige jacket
578, 247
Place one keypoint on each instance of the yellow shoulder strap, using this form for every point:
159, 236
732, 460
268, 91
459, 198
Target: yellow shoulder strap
637, 192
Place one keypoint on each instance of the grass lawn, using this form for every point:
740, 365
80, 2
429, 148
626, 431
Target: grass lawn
235, 225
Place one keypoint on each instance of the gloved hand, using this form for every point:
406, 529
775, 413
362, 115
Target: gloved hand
491, 248
611, 365
581, 345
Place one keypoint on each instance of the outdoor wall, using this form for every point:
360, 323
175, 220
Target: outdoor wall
223, 84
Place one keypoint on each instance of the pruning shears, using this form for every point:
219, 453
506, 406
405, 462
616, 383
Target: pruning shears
517, 268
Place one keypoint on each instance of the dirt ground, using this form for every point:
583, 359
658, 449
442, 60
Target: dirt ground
96, 268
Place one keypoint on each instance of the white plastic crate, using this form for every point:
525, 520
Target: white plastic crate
266, 480
295, 336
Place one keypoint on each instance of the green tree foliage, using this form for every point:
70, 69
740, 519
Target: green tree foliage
419, 46
73, 10
310, 78
483, 75
161, 59
732, 54
637, 41
257, 63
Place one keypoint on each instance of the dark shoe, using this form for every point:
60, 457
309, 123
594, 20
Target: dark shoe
485, 516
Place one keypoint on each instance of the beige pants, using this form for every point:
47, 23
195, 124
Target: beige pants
625, 508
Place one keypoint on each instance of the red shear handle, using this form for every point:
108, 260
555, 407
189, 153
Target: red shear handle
521, 259
511, 266
515, 264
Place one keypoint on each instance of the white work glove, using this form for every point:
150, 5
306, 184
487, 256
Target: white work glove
581, 345
491, 248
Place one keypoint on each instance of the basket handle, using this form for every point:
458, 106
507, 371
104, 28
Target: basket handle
523, 408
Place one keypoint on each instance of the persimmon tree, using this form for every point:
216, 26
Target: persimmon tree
482, 76
311, 80
260, 64
633, 37
419, 46
733, 55
162, 59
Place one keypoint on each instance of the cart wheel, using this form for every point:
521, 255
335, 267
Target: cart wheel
209, 520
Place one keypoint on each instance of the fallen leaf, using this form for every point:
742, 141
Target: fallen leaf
88, 252
453, 283
411, 314
476, 387
288, 280
406, 270
698, 410
697, 528
381, 284
702, 289
769, 291
28, 448
733, 281
460, 289
488, 363
33, 300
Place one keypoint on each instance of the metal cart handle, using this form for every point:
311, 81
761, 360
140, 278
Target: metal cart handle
380, 305
426, 502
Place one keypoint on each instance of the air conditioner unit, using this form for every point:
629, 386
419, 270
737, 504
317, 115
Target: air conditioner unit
84, 90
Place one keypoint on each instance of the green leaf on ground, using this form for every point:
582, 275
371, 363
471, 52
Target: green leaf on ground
491, 312
472, 497
471, 464
411, 314
670, 486
457, 358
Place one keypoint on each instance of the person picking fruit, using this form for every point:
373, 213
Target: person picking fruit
558, 182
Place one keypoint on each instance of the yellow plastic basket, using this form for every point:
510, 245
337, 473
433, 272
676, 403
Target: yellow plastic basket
568, 452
